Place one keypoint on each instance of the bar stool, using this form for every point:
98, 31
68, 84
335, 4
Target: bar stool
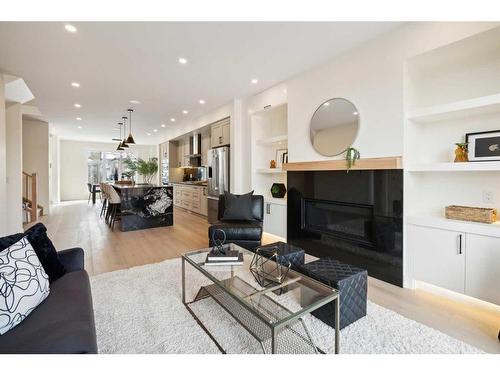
114, 202
104, 192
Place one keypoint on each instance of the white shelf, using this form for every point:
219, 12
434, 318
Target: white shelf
273, 140
440, 222
470, 107
486, 166
270, 170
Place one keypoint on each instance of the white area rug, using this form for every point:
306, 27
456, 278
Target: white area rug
139, 310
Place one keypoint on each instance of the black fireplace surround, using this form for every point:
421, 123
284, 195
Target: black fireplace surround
354, 217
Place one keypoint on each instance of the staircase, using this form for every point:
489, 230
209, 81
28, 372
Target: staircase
31, 209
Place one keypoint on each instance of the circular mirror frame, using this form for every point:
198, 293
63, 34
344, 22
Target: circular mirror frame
355, 136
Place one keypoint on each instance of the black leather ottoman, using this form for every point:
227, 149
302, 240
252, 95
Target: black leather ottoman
287, 253
350, 281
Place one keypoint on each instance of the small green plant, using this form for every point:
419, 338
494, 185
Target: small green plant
351, 156
147, 169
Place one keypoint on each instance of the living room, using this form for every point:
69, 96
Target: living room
206, 189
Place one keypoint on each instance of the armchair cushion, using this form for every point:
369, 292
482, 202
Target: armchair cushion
238, 207
250, 230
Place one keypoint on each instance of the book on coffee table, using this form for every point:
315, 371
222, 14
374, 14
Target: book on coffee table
228, 254
225, 262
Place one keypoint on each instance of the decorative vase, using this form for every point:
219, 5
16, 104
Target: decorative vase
278, 190
461, 153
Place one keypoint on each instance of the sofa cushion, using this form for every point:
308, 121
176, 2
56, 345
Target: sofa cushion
63, 323
250, 230
45, 250
23, 284
238, 207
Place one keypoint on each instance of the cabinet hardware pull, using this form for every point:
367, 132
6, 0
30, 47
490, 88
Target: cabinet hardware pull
459, 244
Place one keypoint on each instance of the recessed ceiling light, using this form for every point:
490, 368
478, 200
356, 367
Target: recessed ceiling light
185, 111
76, 105
326, 104
202, 101
75, 84
355, 113
172, 119
79, 127
182, 60
163, 125
79, 118
255, 81
155, 130
70, 28
148, 134
133, 101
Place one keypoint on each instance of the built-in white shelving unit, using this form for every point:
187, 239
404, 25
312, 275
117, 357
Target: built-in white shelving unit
269, 132
449, 92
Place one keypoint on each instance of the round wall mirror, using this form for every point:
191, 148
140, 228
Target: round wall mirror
334, 126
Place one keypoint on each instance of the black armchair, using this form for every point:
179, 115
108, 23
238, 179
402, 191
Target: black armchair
247, 234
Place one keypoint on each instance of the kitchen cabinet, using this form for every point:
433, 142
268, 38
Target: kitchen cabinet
482, 267
220, 133
275, 219
205, 146
192, 198
438, 256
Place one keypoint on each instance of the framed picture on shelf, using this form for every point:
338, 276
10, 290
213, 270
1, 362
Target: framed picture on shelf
280, 157
484, 146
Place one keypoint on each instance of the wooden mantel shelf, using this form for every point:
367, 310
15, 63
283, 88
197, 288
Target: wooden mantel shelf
340, 165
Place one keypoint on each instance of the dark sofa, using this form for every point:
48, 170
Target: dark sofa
64, 322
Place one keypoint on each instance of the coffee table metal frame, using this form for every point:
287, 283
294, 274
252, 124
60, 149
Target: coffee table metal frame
236, 306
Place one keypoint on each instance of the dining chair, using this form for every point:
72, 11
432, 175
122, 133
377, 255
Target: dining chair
114, 202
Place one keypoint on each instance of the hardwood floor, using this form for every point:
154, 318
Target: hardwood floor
78, 224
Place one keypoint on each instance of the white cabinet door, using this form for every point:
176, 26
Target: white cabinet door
275, 219
216, 136
482, 268
226, 136
438, 256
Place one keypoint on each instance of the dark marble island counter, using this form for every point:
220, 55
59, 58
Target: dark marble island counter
145, 206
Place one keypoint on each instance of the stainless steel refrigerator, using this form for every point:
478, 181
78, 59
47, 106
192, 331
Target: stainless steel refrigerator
218, 179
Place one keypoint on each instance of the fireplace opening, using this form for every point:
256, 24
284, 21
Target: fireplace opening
348, 221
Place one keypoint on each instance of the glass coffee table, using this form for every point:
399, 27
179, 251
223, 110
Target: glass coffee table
260, 310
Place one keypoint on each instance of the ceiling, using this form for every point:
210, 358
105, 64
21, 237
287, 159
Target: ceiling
115, 62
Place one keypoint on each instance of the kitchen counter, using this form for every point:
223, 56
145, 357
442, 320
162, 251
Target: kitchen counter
145, 206
190, 183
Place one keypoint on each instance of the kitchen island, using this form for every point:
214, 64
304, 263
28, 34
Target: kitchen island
145, 206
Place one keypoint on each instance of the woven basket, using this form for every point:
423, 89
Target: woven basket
477, 214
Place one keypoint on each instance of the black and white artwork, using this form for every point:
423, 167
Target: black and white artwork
23, 284
484, 146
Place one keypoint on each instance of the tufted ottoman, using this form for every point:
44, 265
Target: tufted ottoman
350, 281
287, 253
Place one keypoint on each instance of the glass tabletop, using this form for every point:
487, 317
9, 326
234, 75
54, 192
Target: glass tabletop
276, 304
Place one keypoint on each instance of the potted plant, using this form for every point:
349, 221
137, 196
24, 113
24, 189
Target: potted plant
145, 168
351, 156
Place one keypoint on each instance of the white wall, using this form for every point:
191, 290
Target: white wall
3, 162
14, 168
53, 168
36, 157
371, 77
73, 164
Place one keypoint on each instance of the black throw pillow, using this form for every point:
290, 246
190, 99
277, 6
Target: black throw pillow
238, 207
45, 251
8, 241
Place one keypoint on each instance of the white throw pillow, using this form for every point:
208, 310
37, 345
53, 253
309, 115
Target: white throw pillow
23, 284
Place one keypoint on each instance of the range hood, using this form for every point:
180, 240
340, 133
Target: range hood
194, 150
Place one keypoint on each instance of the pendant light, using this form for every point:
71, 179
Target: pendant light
130, 139
120, 148
124, 142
